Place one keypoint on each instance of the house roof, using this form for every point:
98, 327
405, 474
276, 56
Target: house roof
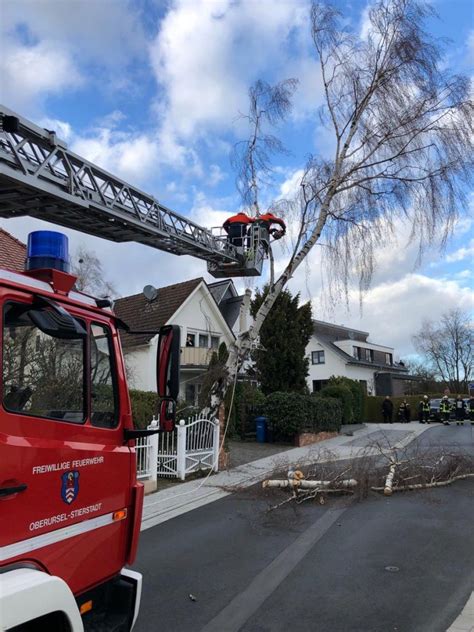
339, 332
328, 334
227, 299
140, 313
12, 252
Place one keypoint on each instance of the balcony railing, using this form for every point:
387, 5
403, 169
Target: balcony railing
196, 356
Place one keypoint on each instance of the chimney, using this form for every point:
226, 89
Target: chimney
244, 315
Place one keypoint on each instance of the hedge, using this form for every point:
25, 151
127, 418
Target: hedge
358, 395
291, 413
144, 406
374, 406
344, 395
326, 414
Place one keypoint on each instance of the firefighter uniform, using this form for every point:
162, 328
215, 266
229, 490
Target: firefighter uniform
269, 225
424, 410
445, 410
460, 410
236, 228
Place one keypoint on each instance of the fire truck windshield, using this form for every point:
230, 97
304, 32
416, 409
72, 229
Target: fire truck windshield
43, 374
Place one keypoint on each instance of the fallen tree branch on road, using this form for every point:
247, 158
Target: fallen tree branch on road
404, 488
304, 484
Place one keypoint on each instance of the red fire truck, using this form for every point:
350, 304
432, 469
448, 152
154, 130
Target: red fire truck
70, 503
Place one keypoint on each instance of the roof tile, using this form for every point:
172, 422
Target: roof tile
12, 252
141, 314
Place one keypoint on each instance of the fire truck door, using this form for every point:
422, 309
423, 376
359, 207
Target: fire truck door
65, 473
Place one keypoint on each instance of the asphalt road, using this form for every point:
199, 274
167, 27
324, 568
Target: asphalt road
402, 564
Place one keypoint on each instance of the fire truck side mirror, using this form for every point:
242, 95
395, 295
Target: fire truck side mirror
168, 362
167, 415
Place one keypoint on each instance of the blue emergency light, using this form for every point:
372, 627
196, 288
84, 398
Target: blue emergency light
47, 249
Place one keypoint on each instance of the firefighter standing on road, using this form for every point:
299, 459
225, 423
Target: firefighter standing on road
236, 228
445, 410
404, 414
460, 410
424, 410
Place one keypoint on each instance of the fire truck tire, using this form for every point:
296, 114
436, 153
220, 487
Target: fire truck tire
33, 601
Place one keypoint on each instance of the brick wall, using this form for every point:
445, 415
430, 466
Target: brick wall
306, 438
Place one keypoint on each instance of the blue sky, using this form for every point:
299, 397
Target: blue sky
152, 91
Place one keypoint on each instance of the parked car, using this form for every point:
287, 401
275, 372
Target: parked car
435, 414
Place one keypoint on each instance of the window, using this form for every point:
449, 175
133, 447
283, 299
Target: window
190, 340
214, 342
203, 340
317, 357
318, 385
43, 373
103, 384
369, 355
388, 358
356, 352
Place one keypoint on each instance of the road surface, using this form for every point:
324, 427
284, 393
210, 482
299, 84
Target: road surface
401, 564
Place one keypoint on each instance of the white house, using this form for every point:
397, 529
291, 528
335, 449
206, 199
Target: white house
341, 351
206, 315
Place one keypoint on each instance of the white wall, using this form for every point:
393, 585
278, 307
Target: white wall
199, 314
141, 366
335, 365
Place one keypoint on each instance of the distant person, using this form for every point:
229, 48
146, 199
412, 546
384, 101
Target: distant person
460, 410
236, 228
387, 410
471, 410
424, 410
445, 410
404, 412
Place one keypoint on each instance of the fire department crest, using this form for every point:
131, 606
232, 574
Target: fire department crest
69, 486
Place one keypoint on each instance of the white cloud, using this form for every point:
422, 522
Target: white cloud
207, 54
49, 47
32, 73
129, 156
462, 253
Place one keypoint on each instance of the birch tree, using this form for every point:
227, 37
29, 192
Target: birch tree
402, 130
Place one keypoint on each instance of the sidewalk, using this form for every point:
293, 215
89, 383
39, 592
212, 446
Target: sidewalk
172, 502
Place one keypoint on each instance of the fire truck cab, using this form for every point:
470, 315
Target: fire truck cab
70, 503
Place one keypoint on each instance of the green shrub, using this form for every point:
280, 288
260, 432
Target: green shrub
358, 395
326, 414
374, 406
287, 412
144, 406
343, 394
248, 401
291, 413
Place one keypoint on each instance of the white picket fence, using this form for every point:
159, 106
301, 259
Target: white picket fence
190, 447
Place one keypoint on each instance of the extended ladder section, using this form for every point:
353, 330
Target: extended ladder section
40, 177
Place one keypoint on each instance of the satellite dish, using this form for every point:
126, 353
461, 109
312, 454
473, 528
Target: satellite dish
150, 292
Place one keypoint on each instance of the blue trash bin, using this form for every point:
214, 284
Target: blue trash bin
261, 424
